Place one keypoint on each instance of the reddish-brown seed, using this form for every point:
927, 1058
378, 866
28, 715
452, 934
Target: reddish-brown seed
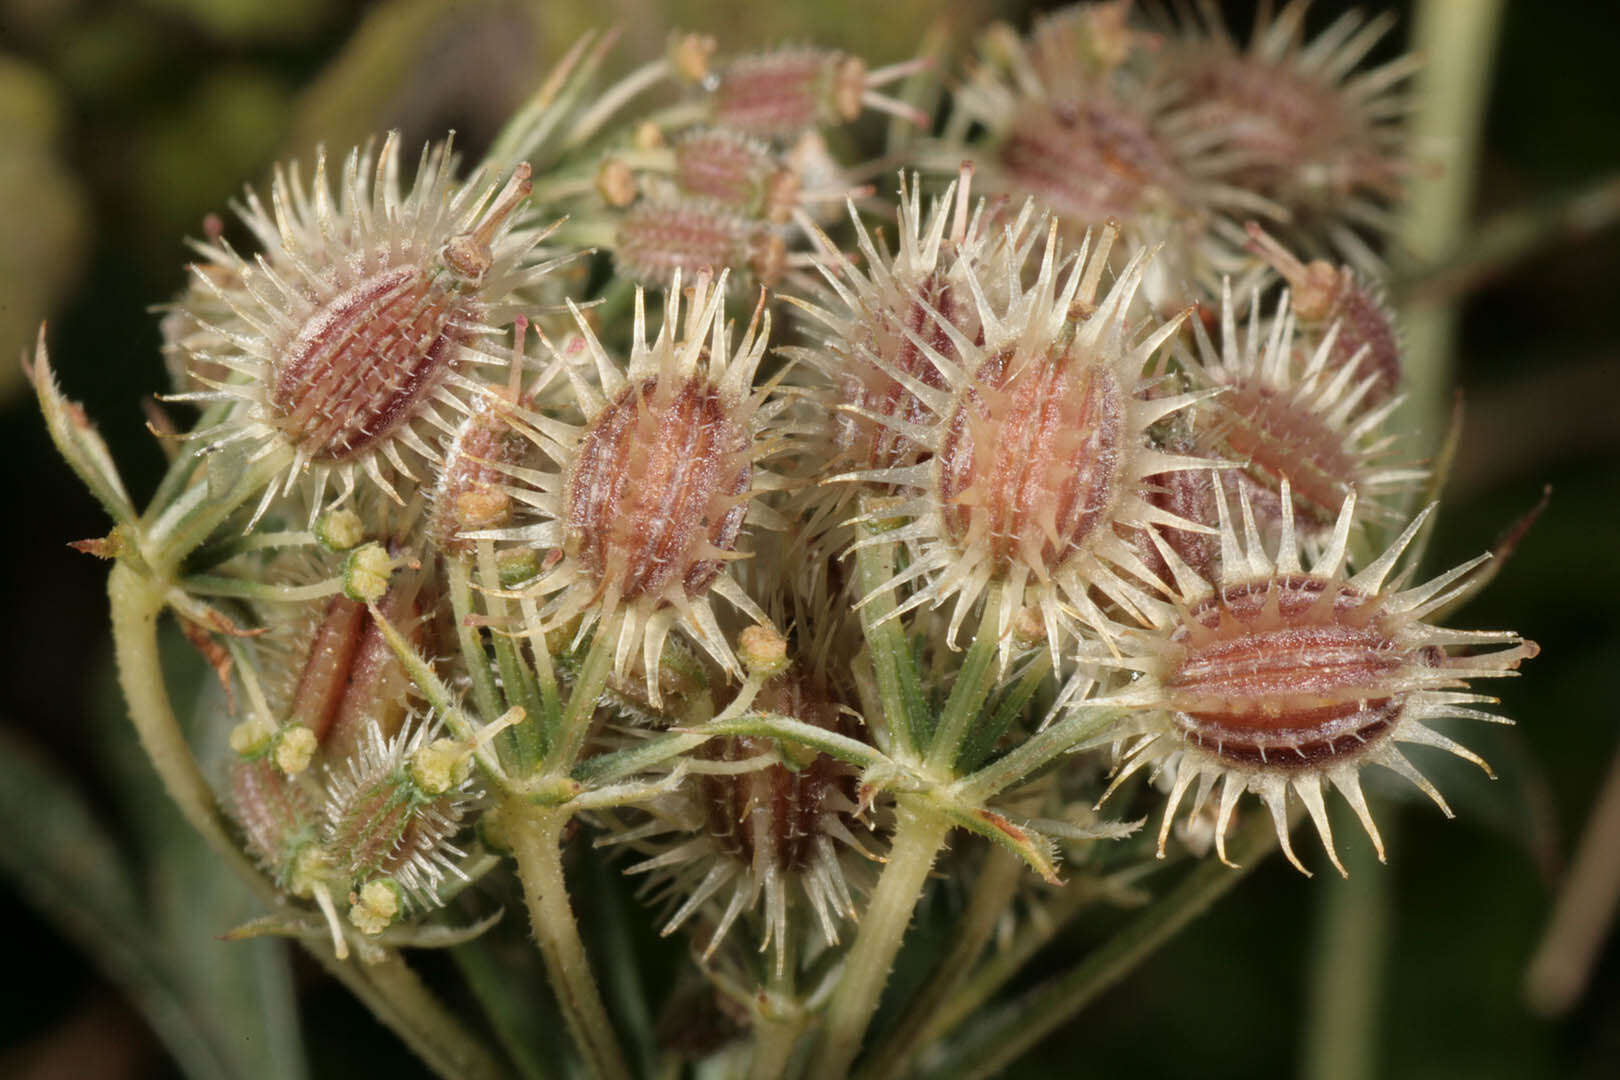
350, 675
1281, 437
659, 237
468, 495
788, 91
379, 689
1290, 671
1031, 458
363, 362
873, 390
1324, 296
1189, 494
276, 816
1364, 323
1088, 162
736, 171
324, 677
658, 484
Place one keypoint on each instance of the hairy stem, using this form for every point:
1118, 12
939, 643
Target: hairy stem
537, 843
918, 837
992, 892
137, 602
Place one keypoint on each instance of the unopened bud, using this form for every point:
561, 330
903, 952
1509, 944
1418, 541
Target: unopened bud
339, 530
1028, 628
293, 748
366, 572
482, 508
647, 136
375, 906
517, 565
440, 766
762, 650
689, 55
249, 739
616, 183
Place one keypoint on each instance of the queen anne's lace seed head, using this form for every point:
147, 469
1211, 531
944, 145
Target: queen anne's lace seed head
1291, 409
1327, 296
881, 315
355, 328
1037, 449
382, 821
1292, 118
652, 494
1079, 117
787, 91
668, 235
1274, 678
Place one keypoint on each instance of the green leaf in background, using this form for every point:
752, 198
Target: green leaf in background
152, 920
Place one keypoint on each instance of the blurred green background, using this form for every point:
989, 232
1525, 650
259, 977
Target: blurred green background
123, 123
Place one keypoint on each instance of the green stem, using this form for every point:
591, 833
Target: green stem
537, 844
1510, 237
918, 837
1457, 41
516, 678
1347, 967
420, 1019
899, 693
1024, 1023
974, 681
472, 643
992, 892
593, 677
136, 603
1078, 727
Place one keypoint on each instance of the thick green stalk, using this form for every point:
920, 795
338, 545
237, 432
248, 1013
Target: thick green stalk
137, 602
1458, 44
1347, 967
536, 834
1022, 1024
992, 892
918, 837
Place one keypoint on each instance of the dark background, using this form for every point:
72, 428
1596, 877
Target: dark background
121, 124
